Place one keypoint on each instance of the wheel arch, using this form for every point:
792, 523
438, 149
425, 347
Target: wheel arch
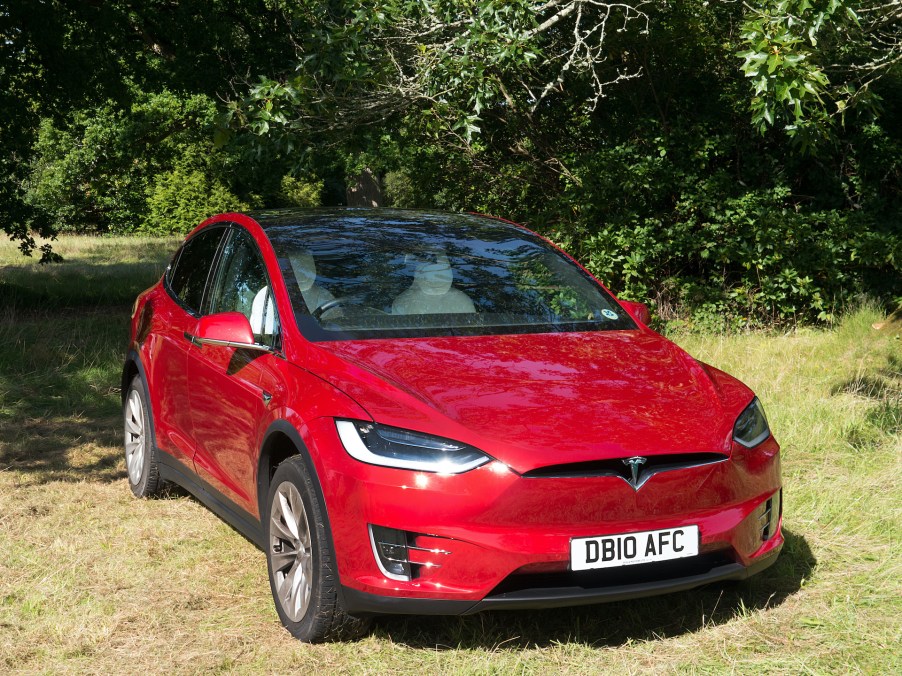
281, 442
131, 368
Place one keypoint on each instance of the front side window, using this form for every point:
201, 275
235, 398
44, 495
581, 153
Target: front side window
353, 276
241, 285
188, 274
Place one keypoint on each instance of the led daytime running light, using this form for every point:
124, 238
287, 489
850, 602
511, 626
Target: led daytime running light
403, 449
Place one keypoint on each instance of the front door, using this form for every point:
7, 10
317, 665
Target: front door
231, 386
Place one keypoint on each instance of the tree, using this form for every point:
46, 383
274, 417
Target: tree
61, 56
811, 61
444, 62
621, 130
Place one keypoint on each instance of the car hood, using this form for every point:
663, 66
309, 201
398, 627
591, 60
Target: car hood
542, 399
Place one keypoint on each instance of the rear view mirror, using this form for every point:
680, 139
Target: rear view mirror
639, 311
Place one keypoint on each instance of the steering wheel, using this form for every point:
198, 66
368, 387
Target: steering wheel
328, 305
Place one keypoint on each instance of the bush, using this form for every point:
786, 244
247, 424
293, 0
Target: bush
81, 178
705, 248
151, 167
399, 190
94, 173
699, 220
299, 192
180, 199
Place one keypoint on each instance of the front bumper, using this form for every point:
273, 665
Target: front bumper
490, 538
575, 594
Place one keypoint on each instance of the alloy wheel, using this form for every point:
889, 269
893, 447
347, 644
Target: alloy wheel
290, 551
135, 436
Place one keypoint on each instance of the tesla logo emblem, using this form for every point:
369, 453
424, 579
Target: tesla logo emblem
635, 464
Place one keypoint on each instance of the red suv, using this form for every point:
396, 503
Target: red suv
432, 413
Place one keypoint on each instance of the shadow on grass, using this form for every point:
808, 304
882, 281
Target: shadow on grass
59, 400
884, 418
882, 384
26, 291
74, 449
63, 333
611, 624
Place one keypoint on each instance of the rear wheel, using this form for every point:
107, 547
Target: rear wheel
302, 573
140, 457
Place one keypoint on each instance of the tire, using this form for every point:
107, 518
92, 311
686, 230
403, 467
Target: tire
140, 452
301, 560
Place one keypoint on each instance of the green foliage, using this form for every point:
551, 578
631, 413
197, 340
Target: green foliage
180, 199
668, 195
659, 184
58, 59
790, 84
533, 276
754, 259
443, 63
812, 61
399, 190
151, 168
95, 173
300, 192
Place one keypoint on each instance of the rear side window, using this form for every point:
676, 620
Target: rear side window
192, 267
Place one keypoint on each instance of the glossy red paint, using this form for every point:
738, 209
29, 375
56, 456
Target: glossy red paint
639, 311
164, 354
495, 521
533, 400
231, 327
529, 401
226, 409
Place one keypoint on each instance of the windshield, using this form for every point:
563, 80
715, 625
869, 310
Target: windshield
381, 274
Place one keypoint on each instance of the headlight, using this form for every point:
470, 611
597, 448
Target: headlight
751, 425
393, 447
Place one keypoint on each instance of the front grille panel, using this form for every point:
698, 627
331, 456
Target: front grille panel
618, 467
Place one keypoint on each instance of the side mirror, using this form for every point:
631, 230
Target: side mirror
639, 311
226, 329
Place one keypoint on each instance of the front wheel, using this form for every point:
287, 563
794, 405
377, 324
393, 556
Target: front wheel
302, 573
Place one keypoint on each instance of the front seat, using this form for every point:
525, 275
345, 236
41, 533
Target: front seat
304, 268
263, 314
431, 291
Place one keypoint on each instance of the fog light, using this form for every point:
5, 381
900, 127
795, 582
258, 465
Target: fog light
404, 555
769, 514
390, 548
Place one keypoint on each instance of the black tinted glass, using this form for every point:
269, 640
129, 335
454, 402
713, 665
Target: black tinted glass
242, 286
192, 267
393, 274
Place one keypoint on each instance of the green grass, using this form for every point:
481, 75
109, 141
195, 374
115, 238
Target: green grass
96, 273
92, 580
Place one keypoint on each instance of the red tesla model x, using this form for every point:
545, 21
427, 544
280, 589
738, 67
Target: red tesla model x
433, 413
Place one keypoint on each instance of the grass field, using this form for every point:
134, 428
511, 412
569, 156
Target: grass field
93, 580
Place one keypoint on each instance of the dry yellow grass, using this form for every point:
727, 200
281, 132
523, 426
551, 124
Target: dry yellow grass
94, 581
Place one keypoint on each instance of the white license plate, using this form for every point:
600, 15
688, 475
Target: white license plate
627, 549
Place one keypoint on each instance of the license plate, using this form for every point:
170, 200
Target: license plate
627, 549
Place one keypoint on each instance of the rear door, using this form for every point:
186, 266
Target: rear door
231, 387
176, 314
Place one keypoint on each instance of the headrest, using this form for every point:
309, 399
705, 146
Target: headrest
434, 279
304, 268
